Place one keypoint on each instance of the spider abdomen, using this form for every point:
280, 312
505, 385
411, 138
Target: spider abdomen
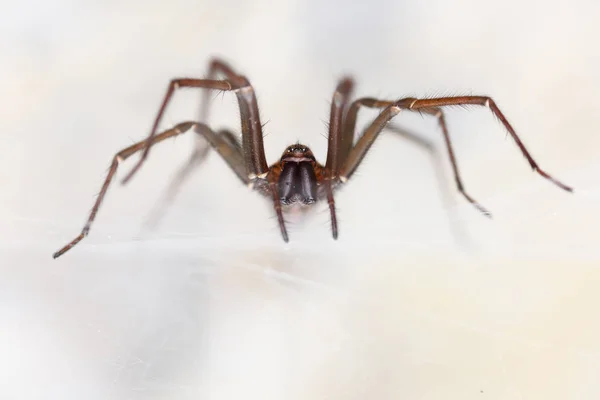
297, 183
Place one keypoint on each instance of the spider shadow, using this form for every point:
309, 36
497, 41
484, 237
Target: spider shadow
197, 158
458, 231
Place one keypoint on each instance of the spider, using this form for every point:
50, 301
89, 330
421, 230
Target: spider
297, 178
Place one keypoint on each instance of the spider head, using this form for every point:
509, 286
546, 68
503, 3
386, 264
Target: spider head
297, 181
297, 153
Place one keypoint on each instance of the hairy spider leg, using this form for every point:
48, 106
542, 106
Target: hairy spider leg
432, 107
231, 155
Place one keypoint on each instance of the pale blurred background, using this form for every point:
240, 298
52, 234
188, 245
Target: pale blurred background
420, 298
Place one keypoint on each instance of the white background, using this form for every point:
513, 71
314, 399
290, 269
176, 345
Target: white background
420, 298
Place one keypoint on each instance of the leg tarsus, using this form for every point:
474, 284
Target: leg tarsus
331, 202
69, 245
284, 233
475, 203
553, 180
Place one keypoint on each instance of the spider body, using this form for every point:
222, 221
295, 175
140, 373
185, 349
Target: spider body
297, 179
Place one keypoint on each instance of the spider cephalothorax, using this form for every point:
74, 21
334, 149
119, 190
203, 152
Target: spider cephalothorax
297, 178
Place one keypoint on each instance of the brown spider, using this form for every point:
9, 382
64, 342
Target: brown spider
297, 177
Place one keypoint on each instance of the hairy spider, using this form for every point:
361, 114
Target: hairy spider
297, 177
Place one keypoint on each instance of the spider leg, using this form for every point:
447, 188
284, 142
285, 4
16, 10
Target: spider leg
439, 114
415, 104
350, 125
432, 107
336, 143
200, 152
215, 67
364, 143
254, 155
223, 147
201, 148
336, 139
251, 147
173, 85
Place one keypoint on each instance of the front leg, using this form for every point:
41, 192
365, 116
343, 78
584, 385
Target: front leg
335, 144
220, 143
432, 107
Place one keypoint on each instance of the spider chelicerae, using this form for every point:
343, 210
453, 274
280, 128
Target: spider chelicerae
297, 178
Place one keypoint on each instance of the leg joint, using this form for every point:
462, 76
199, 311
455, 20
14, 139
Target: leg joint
408, 103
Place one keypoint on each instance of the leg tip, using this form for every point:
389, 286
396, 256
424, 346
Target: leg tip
561, 185
478, 206
284, 235
484, 211
554, 180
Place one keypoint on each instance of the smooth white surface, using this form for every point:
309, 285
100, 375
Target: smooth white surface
420, 298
